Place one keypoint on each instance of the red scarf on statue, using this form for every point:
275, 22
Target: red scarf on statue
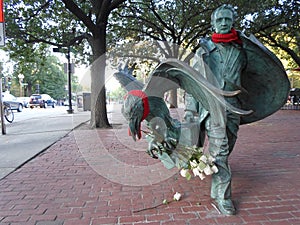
225, 38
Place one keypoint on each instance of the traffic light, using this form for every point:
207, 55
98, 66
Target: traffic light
3, 80
9, 81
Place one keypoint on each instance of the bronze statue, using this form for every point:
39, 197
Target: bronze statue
233, 80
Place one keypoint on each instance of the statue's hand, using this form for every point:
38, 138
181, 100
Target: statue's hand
154, 148
189, 116
169, 143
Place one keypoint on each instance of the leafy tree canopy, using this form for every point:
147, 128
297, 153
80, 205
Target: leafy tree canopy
68, 23
39, 67
169, 24
277, 24
182, 23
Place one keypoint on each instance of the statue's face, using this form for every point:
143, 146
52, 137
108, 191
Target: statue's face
223, 21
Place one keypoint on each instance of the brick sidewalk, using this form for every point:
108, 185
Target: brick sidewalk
103, 177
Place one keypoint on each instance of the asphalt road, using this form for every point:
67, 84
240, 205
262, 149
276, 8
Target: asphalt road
32, 131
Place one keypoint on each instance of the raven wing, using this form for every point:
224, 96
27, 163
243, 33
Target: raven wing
173, 73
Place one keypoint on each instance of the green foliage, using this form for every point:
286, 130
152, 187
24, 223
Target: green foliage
171, 26
277, 24
46, 21
51, 78
77, 23
174, 24
38, 66
117, 94
31, 27
294, 78
181, 23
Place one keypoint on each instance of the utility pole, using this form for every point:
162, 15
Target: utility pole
70, 110
2, 43
69, 71
3, 126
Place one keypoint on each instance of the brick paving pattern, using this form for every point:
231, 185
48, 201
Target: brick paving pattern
103, 177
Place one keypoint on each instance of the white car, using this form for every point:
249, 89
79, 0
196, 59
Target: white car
14, 103
25, 101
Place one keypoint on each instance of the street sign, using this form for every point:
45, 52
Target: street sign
66, 68
2, 30
1, 12
2, 43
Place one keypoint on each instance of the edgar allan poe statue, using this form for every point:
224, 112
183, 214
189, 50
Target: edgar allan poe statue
229, 62
223, 57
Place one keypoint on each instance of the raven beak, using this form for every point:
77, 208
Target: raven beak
135, 128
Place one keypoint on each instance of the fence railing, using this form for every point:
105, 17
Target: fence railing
291, 107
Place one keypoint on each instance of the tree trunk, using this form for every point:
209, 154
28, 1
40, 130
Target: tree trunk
98, 96
173, 98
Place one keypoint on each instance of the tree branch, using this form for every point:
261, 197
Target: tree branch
72, 7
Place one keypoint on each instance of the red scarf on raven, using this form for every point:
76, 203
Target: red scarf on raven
144, 97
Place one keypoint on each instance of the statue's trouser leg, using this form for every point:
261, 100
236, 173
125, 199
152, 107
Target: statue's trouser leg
232, 127
219, 149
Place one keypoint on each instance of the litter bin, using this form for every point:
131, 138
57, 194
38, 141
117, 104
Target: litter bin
84, 101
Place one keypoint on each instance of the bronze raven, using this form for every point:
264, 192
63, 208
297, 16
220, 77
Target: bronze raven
145, 102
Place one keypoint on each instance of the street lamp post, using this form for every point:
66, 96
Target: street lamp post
70, 110
21, 78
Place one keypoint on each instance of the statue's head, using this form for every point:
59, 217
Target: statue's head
222, 19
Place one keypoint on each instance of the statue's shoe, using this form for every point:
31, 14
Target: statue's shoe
224, 206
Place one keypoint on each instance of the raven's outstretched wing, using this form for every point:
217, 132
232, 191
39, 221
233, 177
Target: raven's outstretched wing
173, 73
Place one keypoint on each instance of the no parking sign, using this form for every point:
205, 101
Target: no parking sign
1, 24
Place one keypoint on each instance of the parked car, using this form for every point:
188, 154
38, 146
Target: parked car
41, 100
66, 103
15, 104
25, 101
